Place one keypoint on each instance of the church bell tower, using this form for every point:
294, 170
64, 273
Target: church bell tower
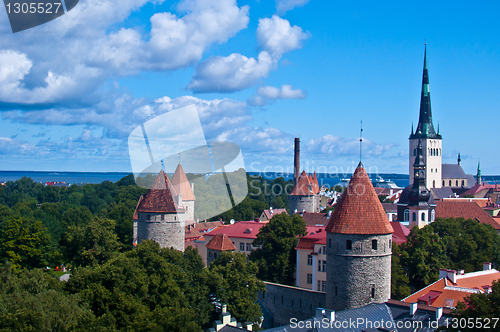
430, 141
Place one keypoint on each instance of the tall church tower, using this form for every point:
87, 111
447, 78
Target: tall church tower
425, 133
359, 248
420, 212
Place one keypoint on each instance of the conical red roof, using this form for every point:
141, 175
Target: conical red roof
315, 183
301, 188
359, 211
181, 184
160, 197
220, 242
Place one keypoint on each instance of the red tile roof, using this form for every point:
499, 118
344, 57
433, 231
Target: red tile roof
301, 188
181, 184
400, 232
465, 209
197, 230
314, 181
220, 242
444, 290
159, 197
312, 218
242, 229
480, 187
359, 211
136, 215
316, 235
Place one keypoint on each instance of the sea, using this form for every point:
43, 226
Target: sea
326, 179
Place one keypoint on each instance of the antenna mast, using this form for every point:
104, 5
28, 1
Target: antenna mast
360, 140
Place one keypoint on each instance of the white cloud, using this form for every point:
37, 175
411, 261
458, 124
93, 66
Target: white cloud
283, 6
269, 94
78, 52
237, 72
329, 145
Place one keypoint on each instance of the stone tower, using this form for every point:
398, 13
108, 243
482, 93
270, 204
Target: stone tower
425, 133
305, 194
359, 240
219, 243
160, 215
183, 187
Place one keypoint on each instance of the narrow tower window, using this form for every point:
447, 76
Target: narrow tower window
423, 216
348, 245
414, 216
373, 291
374, 244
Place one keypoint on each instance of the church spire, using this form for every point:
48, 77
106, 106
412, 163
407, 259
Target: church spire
478, 180
425, 128
459, 159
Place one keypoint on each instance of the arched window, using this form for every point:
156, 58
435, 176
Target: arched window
407, 215
414, 216
449, 183
463, 183
457, 183
443, 183
433, 183
423, 216
433, 215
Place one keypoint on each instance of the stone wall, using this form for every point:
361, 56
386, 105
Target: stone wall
166, 233
307, 203
286, 302
358, 276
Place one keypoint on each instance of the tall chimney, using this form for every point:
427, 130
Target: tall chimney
296, 160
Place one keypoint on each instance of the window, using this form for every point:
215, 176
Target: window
209, 254
162, 217
348, 245
390, 242
374, 244
148, 217
319, 266
443, 183
450, 183
309, 260
323, 266
249, 247
407, 215
309, 278
323, 250
323, 286
433, 215
456, 183
373, 291
463, 183
319, 286
433, 183
414, 216
175, 217
423, 216
242, 246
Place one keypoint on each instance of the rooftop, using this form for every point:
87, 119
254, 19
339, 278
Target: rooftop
220, 242
181, 184
242, 229
464, 209
359, 211
159, 198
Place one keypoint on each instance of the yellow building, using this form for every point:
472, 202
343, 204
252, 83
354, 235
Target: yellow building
311, 260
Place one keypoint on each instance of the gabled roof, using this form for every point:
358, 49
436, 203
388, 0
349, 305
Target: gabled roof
301, 188
313, 218
452, 171
445, 293
359, 211
159, 197
242, 229
315, 235
181, 184
220, 242
269, 213
481, 187
401, 232
464, 209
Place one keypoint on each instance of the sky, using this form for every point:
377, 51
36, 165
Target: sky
259, 73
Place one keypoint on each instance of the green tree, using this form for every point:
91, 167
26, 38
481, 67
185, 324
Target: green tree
237, 286
25, 243
448, 243
399, 279
92, 243
276, 242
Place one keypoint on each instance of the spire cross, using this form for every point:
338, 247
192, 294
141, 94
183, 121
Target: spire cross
360, 140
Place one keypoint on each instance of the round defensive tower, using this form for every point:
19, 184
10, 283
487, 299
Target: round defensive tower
160, 215
359, 240
305, 194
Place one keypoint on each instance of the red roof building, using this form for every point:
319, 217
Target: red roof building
401, 232
466, 210
452, 287
221, 242
266, 215
310, 270
303, 187
160, 197
359, 211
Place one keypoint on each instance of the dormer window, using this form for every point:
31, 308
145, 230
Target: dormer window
248, 231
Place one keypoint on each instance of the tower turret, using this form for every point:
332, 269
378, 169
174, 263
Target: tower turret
359, 237
419, 195
478, 176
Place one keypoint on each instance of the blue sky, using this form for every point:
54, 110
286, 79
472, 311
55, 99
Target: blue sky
259, 73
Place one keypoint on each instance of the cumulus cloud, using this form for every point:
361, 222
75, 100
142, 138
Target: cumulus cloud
275, 36
329, 145
283, 6
83, 49
269, 94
